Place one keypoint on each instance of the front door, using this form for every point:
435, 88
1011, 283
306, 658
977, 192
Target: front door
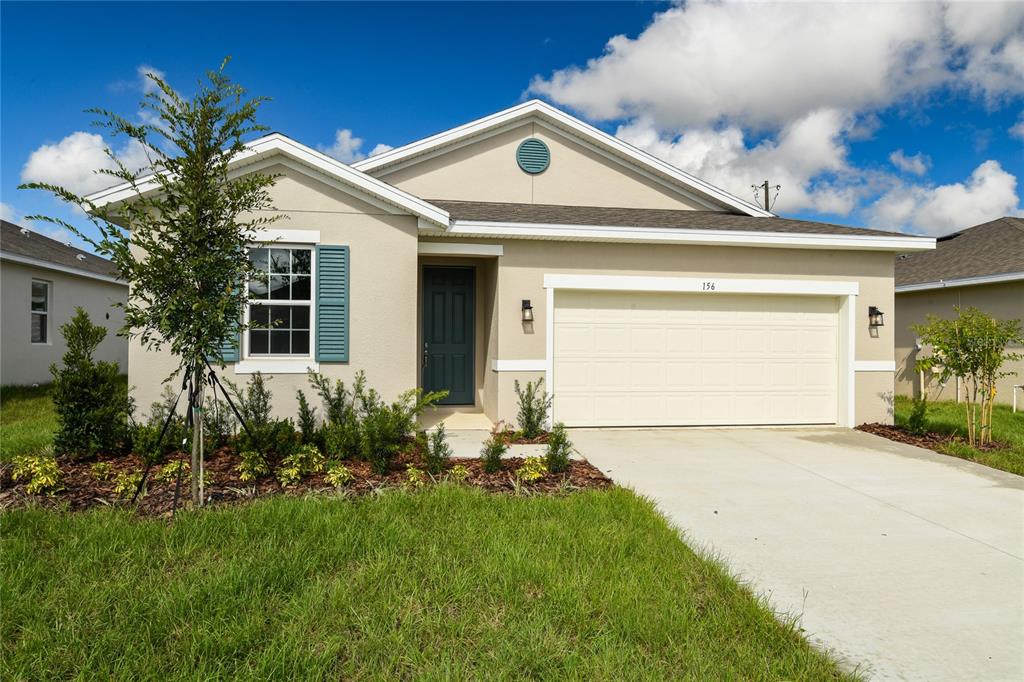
448, 333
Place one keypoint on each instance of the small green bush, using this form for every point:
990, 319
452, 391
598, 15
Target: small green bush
415, 478
253, 466
144, 436
219, 424
341, 440
169, 472
437, 451
534, 404
307, 422
458, 473
127, 482
304, 461
39, 470
274, 439
559, 449
89, 397
917, 421
532, 469
385, 429
494, 447
102, 471
338, 475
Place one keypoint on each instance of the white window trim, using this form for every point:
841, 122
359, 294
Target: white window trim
539, 365
282, 364
49, 305
846, 292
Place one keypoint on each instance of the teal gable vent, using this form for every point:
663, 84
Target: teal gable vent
533, 156
332, 287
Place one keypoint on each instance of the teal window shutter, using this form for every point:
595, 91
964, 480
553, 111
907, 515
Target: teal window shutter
229, 347
332, 280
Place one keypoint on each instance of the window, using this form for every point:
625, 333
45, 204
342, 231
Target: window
280, 302
40, 311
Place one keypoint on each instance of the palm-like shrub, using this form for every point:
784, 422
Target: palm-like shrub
534, 405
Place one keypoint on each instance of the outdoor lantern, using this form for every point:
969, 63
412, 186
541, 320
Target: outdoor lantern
875, 317
527, 311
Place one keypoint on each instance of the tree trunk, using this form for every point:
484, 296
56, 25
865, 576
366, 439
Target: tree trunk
197, 433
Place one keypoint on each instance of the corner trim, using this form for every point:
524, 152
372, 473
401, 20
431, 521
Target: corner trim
962, 282
874, 366
519, 365
809, 287
460, 249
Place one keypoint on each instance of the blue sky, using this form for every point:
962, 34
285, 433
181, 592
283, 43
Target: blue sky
909, 118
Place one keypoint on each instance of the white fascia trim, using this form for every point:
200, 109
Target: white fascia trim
874, 366
47, 265
808, 287
962, 282
276, 366
570, 124
670, 235
519, 365
280, 144
460, 249
289, 236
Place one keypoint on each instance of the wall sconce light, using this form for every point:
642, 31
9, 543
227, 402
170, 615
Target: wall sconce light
527, 311
875, 317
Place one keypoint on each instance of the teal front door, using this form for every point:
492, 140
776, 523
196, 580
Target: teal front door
448, 306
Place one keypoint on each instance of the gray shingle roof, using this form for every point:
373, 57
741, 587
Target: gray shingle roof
39, 247
638, 217
992, 248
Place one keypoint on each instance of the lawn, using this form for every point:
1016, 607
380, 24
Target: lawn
27, 420
444, 583
948, 417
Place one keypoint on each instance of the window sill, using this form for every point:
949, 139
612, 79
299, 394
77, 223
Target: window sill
276, 366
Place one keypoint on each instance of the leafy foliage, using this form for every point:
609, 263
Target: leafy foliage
972, 346
494, 447
253, 466
917, 421
532, 469
458, 473
39, 470
415, 478
304, 461
559, 449
102, 471
145, 436
437, 451
274, 439
307, 421
169, 472
89, 397
219, 424
534, 405
338, 475
127, 482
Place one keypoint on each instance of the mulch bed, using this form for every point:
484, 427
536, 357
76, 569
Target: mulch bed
929, 440
82, 490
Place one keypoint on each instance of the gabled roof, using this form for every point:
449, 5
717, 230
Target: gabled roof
307, 159
986, 253
21, 245
562, 121
666, 226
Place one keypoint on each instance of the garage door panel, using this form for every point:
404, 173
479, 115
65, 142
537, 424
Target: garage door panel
629, 358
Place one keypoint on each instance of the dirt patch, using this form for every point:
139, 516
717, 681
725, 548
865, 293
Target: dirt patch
83, 490
929, 440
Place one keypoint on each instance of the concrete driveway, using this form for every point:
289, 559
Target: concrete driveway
899, 560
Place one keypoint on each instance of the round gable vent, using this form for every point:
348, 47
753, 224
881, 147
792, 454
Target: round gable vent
533, 156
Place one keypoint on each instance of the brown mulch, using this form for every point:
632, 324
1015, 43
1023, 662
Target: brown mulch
930, 440
81, 490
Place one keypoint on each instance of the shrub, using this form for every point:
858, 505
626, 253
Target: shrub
219, 424
415, 478
341, 440
384, 428
144, 436
534, 404
532, 469
274, 439
169, 472
101, 471
338, 475
307, 422
340, 404
127, 482
559, 449
89, 397
253, 466
437, 452
494, 447
458, 473
304, 461
40, 471
917, 422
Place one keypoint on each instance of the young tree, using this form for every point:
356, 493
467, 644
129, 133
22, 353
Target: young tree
180, 240
973, 347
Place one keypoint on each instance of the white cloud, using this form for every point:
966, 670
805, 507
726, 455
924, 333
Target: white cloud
347, 148
918, 164
1017, 130
990, 192
8, 213
72, 163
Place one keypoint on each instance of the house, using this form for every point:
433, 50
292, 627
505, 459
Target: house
42, 280
530, 245
980, 267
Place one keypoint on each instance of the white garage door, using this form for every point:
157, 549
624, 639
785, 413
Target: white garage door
678, 359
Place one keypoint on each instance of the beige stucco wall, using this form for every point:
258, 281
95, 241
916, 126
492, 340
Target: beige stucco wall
1004, 301
522, 268
486, 170
383, 303
25, 362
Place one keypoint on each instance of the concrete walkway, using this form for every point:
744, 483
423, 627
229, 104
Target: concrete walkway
901, 561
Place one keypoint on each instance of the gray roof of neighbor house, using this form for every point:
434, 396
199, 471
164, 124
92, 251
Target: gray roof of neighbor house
21, 242
992, 248
639, 217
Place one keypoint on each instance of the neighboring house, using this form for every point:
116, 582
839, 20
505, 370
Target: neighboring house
527, 245
980, 267
41, 282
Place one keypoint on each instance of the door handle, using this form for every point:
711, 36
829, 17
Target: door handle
425, 354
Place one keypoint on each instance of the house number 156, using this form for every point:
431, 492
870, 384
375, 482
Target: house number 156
707, 286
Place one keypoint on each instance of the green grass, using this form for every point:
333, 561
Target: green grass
949, 417
441, 584
27, 420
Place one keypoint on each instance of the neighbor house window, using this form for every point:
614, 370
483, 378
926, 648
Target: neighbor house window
280, 302
40, 311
